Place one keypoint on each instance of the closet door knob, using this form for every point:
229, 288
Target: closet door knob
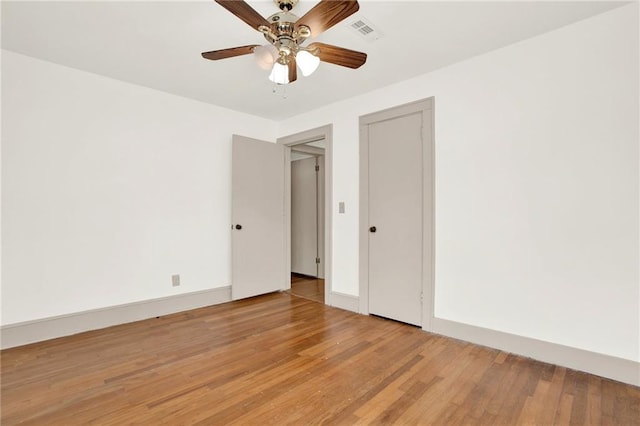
372, 229
238, 227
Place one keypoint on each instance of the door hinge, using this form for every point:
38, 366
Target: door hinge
317, 260
317, 168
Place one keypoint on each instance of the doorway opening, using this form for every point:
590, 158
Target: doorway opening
307, 220
308, 213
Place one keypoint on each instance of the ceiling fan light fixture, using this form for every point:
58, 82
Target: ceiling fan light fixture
285, 32
307, 62
279, 73
265, 56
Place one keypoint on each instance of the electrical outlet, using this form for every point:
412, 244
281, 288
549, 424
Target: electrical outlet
175, 280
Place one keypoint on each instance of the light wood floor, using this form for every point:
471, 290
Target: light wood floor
308, 287
281, 359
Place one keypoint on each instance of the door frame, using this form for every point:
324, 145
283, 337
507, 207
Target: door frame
326, 133
426, 108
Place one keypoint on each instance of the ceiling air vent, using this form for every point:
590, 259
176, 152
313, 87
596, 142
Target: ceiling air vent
365, 29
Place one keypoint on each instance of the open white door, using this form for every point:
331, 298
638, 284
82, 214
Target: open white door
258, 244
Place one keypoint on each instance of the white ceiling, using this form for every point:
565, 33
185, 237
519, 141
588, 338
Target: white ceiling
158, 44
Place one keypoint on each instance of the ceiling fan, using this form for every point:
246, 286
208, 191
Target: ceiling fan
286, 34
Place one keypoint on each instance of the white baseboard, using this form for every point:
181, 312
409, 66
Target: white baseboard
345, 301
23, 333
622, 370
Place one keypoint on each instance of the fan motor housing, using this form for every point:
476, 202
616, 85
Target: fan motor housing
282, 27
283, 18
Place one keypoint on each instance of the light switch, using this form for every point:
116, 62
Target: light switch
341, 207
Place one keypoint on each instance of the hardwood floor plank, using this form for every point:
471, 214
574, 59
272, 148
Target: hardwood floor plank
514, 396
579, 407
392, 412
563, 414
594, 401
282, 359
552, 397
308, 287
436, 402
487, 387
386, 379
534, 404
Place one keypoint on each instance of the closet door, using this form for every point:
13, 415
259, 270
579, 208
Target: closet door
395, 228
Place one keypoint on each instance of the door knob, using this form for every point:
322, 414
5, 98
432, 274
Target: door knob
238, 227
372, 229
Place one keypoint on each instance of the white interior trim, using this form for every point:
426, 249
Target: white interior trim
345, 301
306, 149
622, 370
319, 133
23, 333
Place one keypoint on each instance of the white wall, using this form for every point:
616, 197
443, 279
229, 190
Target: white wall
537, 185
108, 189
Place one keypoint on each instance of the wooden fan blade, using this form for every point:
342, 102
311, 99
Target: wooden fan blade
293, 69
245, 12
326, 14
338, 55
229, 53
